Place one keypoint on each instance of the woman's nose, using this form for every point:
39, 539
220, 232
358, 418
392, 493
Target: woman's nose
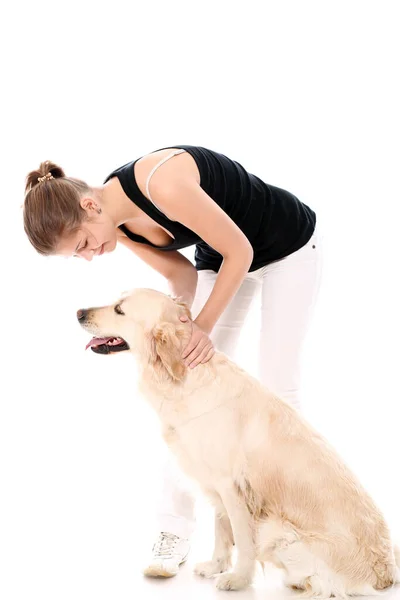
87, 254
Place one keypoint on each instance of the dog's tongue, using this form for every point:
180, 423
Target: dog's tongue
96, 341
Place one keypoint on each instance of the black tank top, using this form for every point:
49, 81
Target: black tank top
275, 222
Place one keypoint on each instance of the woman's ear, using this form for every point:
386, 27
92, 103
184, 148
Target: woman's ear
166, 347
89, 204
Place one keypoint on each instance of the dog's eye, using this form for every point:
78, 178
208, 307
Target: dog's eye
118, 310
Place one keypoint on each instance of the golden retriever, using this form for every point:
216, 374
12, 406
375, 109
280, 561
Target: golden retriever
281, 492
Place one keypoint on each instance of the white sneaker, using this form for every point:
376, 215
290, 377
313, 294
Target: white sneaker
169, 552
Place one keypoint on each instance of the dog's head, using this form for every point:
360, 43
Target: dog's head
145, 322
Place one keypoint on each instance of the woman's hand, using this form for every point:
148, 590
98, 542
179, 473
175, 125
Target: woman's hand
200, 348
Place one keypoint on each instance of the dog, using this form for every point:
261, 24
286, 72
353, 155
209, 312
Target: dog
281, 493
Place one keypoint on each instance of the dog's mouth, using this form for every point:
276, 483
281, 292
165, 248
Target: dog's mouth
106, 345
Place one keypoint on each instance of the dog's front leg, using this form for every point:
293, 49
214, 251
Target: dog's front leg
239, 516
222, 555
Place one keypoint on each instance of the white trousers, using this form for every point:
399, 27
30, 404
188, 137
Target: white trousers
288, 290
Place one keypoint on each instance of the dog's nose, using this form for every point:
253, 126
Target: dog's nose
81, 314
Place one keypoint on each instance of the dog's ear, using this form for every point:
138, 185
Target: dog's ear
166, 348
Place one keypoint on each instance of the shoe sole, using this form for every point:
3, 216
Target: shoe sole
158, 572
155, 572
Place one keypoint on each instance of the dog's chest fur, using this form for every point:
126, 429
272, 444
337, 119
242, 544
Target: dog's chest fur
203, 431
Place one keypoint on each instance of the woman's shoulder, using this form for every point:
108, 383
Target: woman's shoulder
152, 164
178, 166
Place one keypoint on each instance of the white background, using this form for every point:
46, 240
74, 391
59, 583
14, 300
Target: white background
303, 94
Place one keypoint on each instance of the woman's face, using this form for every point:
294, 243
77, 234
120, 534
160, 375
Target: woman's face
94, 237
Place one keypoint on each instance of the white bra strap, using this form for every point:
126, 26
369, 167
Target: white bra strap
174, 153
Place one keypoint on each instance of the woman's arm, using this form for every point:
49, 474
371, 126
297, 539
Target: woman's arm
184, 285
179, 272
183, 200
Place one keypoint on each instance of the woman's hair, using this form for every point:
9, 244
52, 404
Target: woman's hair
52, 206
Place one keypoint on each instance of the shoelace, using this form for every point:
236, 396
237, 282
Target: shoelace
165, 545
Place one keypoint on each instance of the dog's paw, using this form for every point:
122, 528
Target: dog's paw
232, 581
212, 567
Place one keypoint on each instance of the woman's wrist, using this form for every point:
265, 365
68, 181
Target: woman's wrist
207, 327
184, 285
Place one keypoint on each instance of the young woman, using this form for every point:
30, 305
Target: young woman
249, 237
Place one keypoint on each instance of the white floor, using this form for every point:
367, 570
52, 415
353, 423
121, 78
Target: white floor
186, 585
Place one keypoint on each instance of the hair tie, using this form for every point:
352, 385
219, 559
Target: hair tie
47, 177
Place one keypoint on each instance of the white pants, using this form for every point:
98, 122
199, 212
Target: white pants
288, 289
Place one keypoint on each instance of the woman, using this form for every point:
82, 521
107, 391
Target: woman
249, 237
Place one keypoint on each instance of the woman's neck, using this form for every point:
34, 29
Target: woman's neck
115, 203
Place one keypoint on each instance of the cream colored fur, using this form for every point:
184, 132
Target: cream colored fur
281, 493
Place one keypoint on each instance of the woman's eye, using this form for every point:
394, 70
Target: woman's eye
118, 310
